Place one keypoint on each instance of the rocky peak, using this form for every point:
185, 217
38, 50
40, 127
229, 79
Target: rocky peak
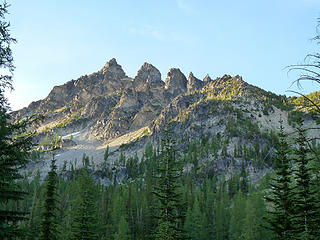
194, 83
148, 74
207, 78
176, 82
112, 70
238, 78
112, 62
226, 77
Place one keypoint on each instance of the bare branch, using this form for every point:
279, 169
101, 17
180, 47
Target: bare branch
308, 99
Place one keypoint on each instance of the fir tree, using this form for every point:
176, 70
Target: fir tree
167, 192
14, 145
123, 230
222, 214
280, 197
106, 154
85, 218
255, 211
49, 221
237, 217
306, 205
196, 224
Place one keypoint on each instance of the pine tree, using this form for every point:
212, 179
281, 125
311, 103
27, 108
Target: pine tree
281, 193
14, 145
167, 192
85, 218
306, 205
49, 221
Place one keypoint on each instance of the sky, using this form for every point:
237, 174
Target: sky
62, 40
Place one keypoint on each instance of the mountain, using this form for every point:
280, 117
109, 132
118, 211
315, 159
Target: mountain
227, 120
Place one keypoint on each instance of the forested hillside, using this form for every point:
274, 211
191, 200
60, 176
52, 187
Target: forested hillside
213, 206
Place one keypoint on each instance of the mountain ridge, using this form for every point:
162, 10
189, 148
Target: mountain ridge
109, 108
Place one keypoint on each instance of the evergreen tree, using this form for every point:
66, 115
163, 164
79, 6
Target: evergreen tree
281, 193
85, 219
123, 230
222, 214
255, 212
244, 186
237, 217
49, 221
14, 145
196, 224
106, 154
306, 214
167, 192
34, 221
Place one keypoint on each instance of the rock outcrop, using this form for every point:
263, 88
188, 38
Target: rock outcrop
176, 82
148, 75
112, 70
194, 83
109, 108
109, 104
207, 79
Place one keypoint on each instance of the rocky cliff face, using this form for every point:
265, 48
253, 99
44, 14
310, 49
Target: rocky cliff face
108, 108
176, 82
194, 83
108, 102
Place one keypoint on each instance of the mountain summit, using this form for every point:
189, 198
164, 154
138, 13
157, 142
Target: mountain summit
108, 108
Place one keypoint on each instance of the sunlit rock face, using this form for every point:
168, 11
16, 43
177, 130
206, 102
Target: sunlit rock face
194, 83
176, 82
109, 108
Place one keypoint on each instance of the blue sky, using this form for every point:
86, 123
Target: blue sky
62, 40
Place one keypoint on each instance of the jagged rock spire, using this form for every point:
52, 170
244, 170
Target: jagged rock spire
113, 70
148, 74
207, 78
194, 83
176, 81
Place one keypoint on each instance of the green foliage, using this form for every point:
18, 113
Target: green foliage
128, 210
237, 217
306, 216
226, 88
85, 161
215, 207
85, 216
106, 154
69, 119
280, 197
196, 225
305, 104
49, 224
123, 230
13, 150
167, 192
293, 118
255, 218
